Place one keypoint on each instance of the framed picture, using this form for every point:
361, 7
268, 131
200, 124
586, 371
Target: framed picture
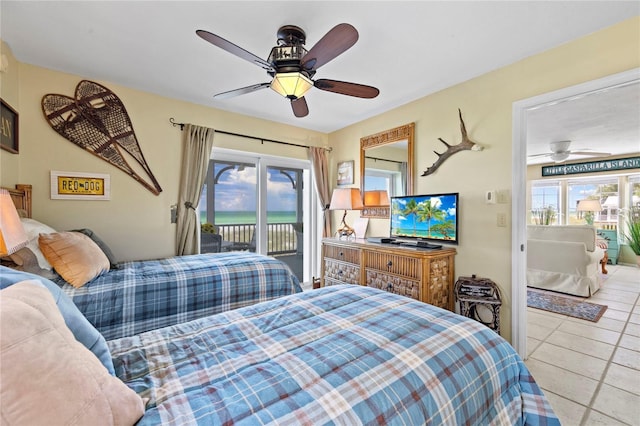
80, 186
360, 225
345, 173
8, 128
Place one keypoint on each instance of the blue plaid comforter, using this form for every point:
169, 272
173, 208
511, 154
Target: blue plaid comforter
341, 355
150, 294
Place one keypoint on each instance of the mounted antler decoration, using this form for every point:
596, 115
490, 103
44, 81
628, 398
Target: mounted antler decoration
466, 144
97, 121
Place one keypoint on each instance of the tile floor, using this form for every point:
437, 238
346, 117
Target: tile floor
590, 372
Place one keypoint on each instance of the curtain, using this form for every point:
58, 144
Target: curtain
196, 151
403, 176
320, 165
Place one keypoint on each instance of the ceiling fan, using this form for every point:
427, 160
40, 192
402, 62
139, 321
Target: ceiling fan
560, 152
292, 66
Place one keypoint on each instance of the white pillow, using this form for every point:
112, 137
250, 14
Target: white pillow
33, 228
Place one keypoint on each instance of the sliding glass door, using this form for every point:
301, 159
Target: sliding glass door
257, 204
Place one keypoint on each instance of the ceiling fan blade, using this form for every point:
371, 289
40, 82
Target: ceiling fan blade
345, 88
241, 91
336, 41
300, 108
232, 48
591, 153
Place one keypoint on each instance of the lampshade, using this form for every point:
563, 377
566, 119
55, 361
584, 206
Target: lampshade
292, 85
346, 199
12, 235
589, 206
377, 198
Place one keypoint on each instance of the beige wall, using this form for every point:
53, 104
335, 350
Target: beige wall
134, 222
486, 104
9, 82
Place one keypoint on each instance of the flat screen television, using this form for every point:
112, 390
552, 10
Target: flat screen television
432, 217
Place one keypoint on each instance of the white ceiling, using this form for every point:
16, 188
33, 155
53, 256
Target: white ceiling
406, 49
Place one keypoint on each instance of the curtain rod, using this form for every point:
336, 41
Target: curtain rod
262, 140
384, 159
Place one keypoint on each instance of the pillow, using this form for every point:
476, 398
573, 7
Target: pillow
81, 328
103, 246
47, 376
74, 256
33, 229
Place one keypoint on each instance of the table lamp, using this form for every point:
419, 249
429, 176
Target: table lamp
346, 199
376, 198
589, 207
12, 235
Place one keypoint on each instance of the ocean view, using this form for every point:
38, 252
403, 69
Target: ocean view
244, 217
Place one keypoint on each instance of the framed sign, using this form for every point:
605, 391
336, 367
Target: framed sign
345, 173
80, 186
8, 128
592, 167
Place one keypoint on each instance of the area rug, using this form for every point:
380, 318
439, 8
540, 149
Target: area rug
564, 305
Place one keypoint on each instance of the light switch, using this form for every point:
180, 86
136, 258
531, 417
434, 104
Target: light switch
503, 196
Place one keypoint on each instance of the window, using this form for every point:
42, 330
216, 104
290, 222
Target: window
634, 196
603, 189
555, 201
259, 204
545, 202
383, 179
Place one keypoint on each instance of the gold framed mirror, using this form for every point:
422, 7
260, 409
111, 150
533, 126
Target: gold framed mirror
386, 163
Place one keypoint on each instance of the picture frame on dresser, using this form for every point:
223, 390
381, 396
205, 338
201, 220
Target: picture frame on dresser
9, 135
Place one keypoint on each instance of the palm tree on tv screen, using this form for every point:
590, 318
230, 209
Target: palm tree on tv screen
411, 208
428, 211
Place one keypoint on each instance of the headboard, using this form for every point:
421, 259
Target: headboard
21, 197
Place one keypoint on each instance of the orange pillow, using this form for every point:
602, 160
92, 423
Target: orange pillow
47, 376
74, 256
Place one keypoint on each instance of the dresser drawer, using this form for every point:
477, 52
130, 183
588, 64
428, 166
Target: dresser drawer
344, 254
393, 284
409, 267
347, 273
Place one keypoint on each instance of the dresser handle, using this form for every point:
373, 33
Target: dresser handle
389, 264
390, 287
341, 254
340, 272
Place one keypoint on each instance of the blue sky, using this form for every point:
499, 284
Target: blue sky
236, 191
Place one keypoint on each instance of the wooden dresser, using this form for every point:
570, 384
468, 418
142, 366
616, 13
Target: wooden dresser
425, 275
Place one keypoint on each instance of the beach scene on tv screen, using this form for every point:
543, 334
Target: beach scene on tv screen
431, 217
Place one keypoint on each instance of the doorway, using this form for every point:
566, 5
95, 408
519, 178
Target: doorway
260, 204
520, 111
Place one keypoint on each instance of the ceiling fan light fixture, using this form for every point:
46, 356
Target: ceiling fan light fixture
559, 157
292, 85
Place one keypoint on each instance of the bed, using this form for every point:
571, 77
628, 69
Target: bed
133, 297
341, 355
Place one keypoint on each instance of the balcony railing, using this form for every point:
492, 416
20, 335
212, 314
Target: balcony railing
281, 237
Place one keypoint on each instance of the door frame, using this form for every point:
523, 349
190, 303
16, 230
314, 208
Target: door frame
519, 190
310, 208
